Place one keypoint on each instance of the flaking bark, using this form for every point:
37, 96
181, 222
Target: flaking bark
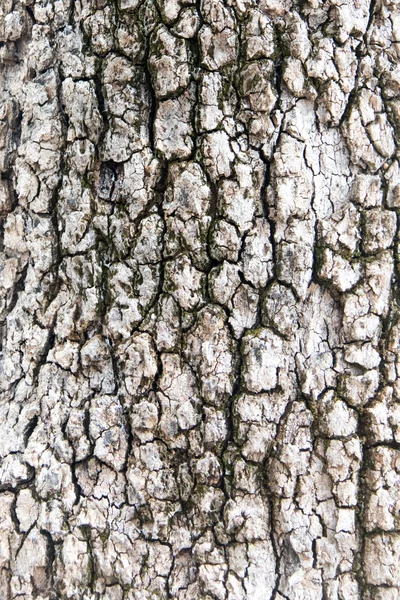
199, 300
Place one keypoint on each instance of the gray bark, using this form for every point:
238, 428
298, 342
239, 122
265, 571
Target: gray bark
199, 300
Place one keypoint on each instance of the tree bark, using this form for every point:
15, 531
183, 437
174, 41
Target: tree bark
199, 300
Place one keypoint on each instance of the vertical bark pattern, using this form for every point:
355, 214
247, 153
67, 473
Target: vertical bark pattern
198, 300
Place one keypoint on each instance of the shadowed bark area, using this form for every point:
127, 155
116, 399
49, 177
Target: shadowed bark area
199, 300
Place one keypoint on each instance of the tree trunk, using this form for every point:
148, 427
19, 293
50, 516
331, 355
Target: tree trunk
199, 300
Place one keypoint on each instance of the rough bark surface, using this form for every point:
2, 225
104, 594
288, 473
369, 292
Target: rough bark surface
199, 300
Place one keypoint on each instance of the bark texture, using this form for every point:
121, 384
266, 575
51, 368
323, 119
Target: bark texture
199, 300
